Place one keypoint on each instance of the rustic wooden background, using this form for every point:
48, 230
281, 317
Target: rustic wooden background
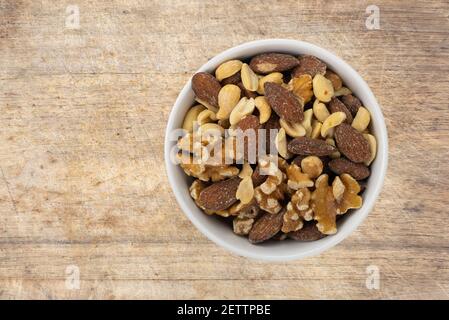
82, 119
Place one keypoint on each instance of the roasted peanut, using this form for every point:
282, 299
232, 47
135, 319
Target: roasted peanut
320, 111
228, 69
307, 122
332, 121
361, 120
373, 147
245, 191
281, 144
293, 129
275, 77
250, 80
322, 88
243, 108
228, 97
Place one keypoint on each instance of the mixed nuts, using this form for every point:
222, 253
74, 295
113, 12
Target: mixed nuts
277, 144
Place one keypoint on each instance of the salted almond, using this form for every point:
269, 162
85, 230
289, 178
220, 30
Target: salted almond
206, 88
284, 103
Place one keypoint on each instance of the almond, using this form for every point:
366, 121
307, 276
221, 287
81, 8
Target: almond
220, 195
352, 144
206, 88
337, 83
234, 79
248, 122
356, 170
309, 65
284, 103
337, 106
258, 178
250, 146
309, 232
352, 103
273, 62
310, 147
266, 227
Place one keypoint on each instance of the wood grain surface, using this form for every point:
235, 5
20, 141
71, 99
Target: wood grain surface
82, 119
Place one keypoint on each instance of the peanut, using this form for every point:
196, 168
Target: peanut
227, 69
322, 88
275, 77
336, 154
316, 129
245, 190
250, 80
331, 122
228, 97
307, 122
281, 144
372, 145
342, 92
361, 120
243, 108
293, 129
320, 111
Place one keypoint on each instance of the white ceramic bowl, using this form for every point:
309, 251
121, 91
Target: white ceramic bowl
221, 233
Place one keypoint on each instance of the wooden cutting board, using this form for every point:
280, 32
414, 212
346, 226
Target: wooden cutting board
83, 189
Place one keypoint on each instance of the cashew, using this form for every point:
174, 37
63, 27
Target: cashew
361, 120
342, 92
212, 127
250, 80
320, 111
294, 130
206, 116
275, 77
331, 122
316, 129
243, 108
227, 69
245, 190
372, 145
307, 122
322, 88
228, 97
264, 109
191, 116
281, 144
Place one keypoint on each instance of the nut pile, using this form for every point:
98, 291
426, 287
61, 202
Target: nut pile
319, 132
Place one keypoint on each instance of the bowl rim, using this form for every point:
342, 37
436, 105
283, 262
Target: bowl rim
381, 135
